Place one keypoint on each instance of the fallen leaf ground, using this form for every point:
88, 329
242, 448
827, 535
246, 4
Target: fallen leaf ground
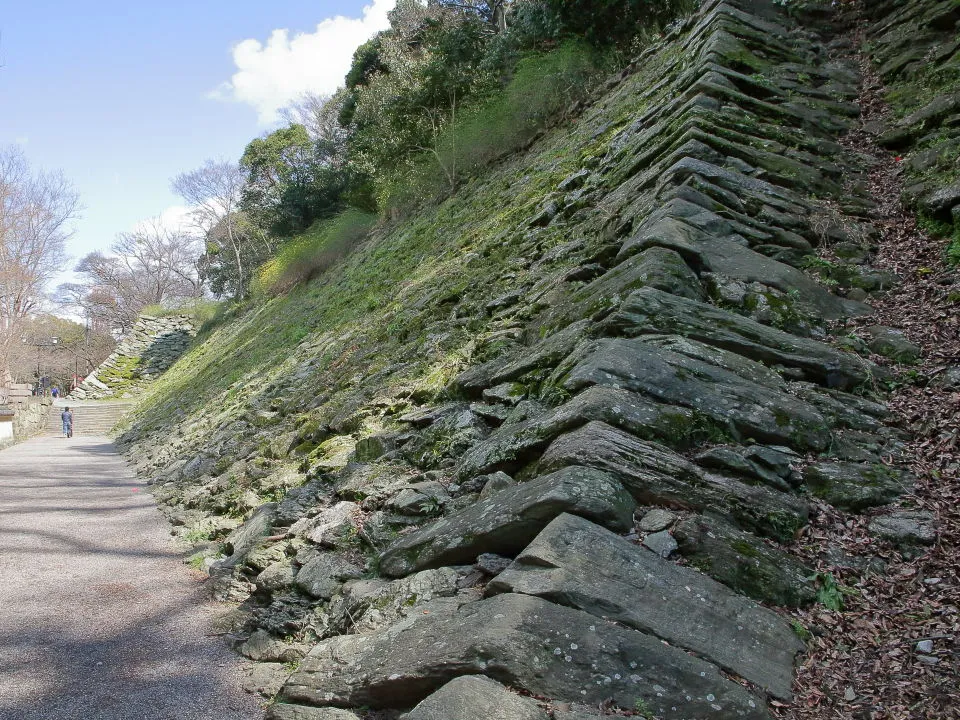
863, 662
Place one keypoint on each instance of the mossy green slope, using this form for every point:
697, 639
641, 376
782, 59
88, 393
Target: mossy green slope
567, 329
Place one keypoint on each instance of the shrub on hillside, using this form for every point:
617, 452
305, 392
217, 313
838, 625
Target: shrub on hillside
542, 88
306, 256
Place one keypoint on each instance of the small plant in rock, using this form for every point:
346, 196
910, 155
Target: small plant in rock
830, 594
800, 630
431, 506
643, 709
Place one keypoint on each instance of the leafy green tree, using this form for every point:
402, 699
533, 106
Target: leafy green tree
611, 22
408, 84
291, 182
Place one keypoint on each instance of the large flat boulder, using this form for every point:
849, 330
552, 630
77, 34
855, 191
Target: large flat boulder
577, 563
526, 643
475, 697
744, 562
856, 486
282, 711
734, 405
709, 242
507, 521
649, 310
513, 444
510, 366
655, 475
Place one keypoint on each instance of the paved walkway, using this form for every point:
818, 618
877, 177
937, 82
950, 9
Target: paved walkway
99, 618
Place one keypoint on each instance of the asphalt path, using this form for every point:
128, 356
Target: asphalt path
99, 617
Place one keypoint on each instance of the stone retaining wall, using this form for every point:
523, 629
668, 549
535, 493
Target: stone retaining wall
29, 418
671, 383
151, 346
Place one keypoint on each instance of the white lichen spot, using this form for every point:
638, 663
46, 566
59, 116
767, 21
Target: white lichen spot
574, 646
557, 651
710, 697
567, 658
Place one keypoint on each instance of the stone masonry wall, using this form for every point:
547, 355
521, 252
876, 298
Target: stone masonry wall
147, 350
604, 511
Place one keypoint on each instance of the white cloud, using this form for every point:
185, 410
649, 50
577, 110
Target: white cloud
174, 218
269, 76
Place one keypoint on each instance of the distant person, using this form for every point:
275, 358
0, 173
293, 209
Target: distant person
55, 392
67, 417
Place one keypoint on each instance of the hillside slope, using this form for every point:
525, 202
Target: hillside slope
566, 429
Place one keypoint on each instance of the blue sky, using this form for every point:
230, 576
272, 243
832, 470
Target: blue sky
122, 96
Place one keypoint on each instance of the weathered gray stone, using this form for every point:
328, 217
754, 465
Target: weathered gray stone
749, 370
656, 520
891, 344
422, 498
656, 267
649, 310
276, 576
265, 679
577, 563
546, 353
526, 643
331, 527
475, 697
245, 537
655, 475
506, 393
748, 463
734, 406
322, 576
374, 446
511, 445
705, 240
661, 543
365, 606
506, 522
743, 562
855, 486
905, 527
283, 711
262, 646
492, 564
495, 482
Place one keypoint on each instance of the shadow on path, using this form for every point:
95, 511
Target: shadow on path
99, 618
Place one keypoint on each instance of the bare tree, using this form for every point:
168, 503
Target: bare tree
214, 192
154, 264
36, 211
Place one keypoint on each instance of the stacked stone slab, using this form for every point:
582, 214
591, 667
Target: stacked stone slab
915, 46
681, 369
151, 346
695, 331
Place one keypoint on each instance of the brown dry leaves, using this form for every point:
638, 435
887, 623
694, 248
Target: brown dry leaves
863, 663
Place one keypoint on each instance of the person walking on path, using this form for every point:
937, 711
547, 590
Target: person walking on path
67, 417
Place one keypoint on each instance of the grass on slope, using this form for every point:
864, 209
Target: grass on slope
406, 307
